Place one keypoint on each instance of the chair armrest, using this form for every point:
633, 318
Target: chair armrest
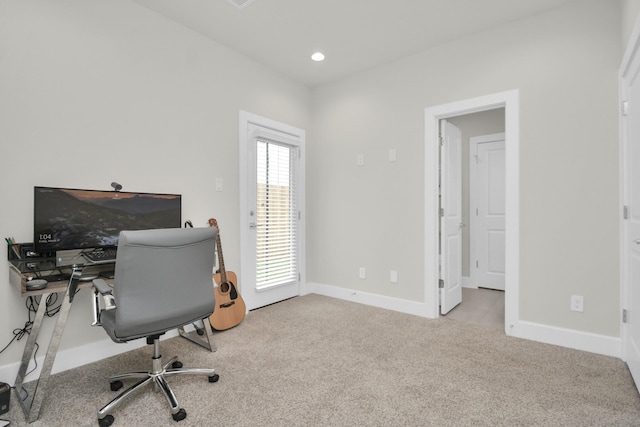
102, 287
107, 302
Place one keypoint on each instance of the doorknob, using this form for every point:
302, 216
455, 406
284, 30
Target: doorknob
637, 241
463, 225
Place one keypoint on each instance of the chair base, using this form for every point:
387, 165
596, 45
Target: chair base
156, 377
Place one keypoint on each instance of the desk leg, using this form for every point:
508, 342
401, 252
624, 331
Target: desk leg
31, 404
208, 344
27, 354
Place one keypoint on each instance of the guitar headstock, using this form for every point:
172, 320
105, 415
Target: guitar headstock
213, 222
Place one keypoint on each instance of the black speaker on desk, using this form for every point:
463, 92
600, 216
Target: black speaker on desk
27, 251
5, 396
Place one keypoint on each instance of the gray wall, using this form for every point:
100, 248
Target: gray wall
630, 11
564, 64
94, 91
98, 91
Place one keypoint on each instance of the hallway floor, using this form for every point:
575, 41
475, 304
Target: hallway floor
480, 306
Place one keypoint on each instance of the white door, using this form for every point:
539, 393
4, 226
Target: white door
450, 217
488, 211
272, 233
631, 225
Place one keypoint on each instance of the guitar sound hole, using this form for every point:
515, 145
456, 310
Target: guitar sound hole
224, 287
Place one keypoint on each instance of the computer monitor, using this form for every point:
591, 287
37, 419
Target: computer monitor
67, 218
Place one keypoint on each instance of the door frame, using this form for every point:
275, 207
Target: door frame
474, 142
629, 65
246, 263
510, 100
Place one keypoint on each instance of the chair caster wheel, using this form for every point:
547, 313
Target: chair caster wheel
106, 421
176, 365
200, 331
180, 415
214, 378
115, 386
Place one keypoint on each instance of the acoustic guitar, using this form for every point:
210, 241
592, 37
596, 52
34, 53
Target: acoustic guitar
230, 308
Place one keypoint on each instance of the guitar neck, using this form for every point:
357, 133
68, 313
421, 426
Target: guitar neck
223, 273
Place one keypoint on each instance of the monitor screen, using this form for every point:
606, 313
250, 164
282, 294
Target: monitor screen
77, 219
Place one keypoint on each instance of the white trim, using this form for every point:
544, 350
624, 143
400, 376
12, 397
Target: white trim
95, 351
569, 338
468, 283
390, 303
510, 101
629, 65
297, 138
625, 286
75, 357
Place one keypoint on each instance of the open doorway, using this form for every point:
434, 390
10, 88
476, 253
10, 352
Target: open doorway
482, 198
472, 172
434, 286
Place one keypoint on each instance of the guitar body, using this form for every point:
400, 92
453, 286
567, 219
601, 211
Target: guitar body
230, 307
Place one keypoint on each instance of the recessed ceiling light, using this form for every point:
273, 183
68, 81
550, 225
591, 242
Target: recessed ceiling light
318, 56
241, 3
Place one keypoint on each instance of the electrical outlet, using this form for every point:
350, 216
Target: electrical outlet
363, 273
360, 160
577, 303
219, 184
393, 277
392, 155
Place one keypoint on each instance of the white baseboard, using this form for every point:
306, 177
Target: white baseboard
570, 338
466, 282
390, 303
74, 357
89, 353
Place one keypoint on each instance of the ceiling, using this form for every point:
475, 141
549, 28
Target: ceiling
353, 34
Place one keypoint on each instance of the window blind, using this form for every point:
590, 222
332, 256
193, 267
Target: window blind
277, 219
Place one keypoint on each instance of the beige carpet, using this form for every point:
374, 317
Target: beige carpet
318, 361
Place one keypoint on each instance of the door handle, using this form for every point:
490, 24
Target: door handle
254, 225
462, 225
637, 241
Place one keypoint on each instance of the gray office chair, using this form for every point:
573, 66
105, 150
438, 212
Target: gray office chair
163, 280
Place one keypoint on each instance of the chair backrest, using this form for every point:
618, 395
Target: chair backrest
163, 279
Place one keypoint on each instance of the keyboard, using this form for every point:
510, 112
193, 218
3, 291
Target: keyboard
101, 255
